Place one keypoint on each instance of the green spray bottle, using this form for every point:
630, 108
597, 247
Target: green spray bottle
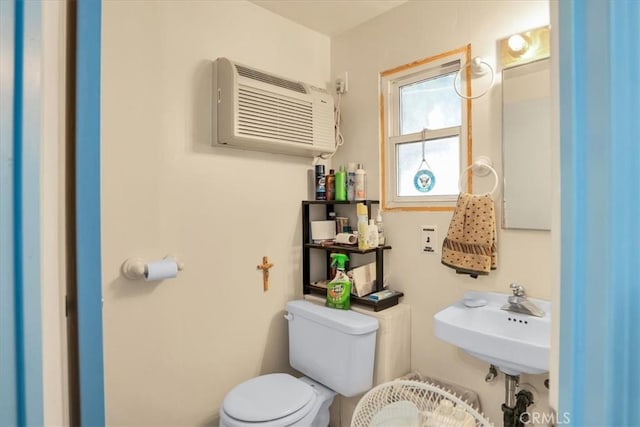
339, 289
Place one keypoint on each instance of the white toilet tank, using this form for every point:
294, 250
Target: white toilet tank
334, 347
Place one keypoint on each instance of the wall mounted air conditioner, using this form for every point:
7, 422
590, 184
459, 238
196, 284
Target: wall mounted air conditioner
256, 110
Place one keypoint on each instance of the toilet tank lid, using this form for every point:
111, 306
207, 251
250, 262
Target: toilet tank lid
346, 321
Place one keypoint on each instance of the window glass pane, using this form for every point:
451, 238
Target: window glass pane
439, 177
429, 104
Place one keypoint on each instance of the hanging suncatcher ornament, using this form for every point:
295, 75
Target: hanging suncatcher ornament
424, 180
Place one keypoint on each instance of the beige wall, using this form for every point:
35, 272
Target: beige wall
173, 349
416, 30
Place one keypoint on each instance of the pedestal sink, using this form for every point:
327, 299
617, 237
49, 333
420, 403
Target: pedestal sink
515, 343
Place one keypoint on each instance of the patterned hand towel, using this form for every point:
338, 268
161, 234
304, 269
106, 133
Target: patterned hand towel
470, 245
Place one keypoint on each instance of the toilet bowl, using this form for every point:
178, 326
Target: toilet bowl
277, 400
333, 348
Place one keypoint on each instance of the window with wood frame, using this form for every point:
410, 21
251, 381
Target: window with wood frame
425, 132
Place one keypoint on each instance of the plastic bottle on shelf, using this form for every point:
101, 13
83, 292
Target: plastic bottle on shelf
321, 190
361, 183
341, 184
330, 182
380, 225
339, 289
363, 214
372, 234
351, 181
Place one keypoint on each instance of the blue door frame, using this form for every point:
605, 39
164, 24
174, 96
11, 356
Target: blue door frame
21, 401
88, 244
21, 384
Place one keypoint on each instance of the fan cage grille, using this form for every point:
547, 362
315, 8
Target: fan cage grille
426, 397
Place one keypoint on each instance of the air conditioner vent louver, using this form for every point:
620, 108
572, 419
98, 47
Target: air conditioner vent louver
267, 116
267, 78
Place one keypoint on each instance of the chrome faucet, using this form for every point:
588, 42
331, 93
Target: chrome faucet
519, 303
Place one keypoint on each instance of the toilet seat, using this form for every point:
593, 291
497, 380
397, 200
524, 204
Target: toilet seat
278, 399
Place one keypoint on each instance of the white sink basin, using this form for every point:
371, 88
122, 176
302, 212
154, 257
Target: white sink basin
515, 343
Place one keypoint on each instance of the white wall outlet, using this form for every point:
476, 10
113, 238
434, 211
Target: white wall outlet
342, 83
429, 243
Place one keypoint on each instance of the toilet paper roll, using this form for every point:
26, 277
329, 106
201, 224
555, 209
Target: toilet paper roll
158, 270
346, 239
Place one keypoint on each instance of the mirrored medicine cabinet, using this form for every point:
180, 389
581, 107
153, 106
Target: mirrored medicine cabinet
526, 145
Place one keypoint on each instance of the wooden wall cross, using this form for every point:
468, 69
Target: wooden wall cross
265, 266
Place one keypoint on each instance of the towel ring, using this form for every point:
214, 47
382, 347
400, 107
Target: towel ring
482, 166
476, 65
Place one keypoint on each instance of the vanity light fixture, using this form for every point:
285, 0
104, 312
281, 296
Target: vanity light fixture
524, 47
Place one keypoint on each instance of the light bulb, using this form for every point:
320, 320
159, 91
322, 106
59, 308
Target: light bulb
517, 44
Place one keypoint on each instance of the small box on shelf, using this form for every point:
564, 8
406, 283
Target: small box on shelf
363, 279
383, 294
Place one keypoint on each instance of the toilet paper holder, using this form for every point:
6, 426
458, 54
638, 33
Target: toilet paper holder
135, 268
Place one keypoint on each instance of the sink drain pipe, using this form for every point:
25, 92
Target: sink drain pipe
514, 408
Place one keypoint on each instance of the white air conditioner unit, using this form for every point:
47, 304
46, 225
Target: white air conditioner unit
256, 110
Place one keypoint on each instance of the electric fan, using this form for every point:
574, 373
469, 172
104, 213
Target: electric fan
403, 403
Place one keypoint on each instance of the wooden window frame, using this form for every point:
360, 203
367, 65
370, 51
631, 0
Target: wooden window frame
388, 80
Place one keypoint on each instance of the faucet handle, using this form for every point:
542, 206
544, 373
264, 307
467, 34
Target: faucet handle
518, 290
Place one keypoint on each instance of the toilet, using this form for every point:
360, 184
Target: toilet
335, 351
